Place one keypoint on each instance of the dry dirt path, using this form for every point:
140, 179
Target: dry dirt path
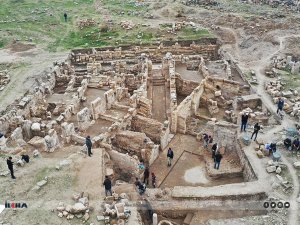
90, 175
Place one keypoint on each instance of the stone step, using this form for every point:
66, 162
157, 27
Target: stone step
188, 219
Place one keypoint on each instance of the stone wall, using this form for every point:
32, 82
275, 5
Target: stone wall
130, 140
98, 107
251, 101
185, 87
225, 135
124, 162
152, 128
185, 109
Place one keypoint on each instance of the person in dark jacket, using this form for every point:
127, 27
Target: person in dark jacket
170, 156
89, 144
205, 140
141, 187
25, 158
214, 150
66, 17
296, 145
288, 143
280, 105
218, 158
10, 166
255, 132
107, 185
244, 122
153, 180
146, 175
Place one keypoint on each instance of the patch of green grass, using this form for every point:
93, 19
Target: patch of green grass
43, 22
123, 5
2, 43
190, 33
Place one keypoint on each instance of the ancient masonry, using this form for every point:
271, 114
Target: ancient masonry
136, 102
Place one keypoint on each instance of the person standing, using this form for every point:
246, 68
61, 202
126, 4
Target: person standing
146, 175
205, 140
107, 186
170, 156
66, 16
10, 166
255, 132
89, 145
244, 121
280, 105
214, 150
296, 145
153, 180
218, 158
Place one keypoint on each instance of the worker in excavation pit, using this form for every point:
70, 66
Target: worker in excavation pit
214, 150
218, 158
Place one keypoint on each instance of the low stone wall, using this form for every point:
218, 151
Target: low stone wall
185, 87
152, 128
124, 162
248, 172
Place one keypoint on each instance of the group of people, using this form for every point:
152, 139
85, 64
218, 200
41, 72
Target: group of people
244, 122
10, 164
216, 155
271, 148
207, 139
293, 146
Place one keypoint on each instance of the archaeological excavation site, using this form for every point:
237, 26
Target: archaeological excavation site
180, 131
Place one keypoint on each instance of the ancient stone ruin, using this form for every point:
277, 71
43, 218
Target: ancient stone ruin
136, 102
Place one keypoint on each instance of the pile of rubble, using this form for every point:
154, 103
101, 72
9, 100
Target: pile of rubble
277, 167
127, 25
4, 79
251, 113
86, 23
290, 97
115, 209
79, 210
177, 26
283, 63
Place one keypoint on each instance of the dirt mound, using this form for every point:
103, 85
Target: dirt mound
20, 47
225, 35
247, 43
293, 46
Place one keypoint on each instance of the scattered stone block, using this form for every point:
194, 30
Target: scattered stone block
271, 169
278, 170
36, 153
259, 154
297, 165
78, 208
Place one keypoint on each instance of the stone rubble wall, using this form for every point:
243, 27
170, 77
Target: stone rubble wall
185, 109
